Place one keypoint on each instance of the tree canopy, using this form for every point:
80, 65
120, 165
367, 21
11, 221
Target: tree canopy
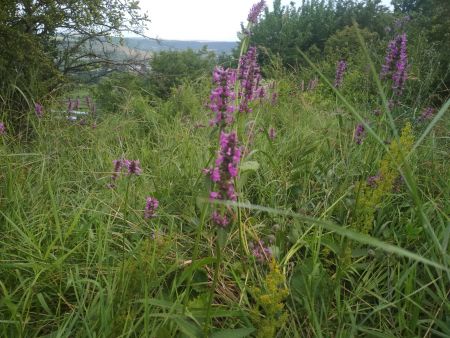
43, 39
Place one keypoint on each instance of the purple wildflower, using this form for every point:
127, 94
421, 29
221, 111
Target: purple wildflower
39, 110
400, 76
372, 181
340, 70
222, 97
272, 133
360, 133
70, 105
213, 195
255, 11
150, 207
377, 112
426, 114
2, 128
395, 63
250, 77
274, 98
223, 174
261, 252
118, 165
391, 54
220, 220
133, 166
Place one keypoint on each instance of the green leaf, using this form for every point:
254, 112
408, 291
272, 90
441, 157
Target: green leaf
249, 166
188, 328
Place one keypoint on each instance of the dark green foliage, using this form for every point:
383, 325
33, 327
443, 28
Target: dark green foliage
25, 69
344, 44
168, 69
287, 29
42, 40
430, 18
112, 92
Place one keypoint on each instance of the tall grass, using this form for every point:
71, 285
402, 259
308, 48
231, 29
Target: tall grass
79, 259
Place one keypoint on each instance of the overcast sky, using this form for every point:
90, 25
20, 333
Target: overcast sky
213, 20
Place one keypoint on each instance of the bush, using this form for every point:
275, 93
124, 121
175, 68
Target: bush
170, 68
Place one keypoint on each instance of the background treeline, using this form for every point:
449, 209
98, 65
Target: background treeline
322, 29
45, 44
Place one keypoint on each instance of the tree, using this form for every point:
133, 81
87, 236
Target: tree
44, 39
286, 29
169, 69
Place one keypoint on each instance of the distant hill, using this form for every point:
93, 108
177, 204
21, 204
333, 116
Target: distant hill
158, 45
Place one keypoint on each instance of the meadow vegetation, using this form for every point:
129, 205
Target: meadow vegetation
288, 195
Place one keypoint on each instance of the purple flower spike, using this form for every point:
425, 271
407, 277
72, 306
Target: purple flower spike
223, 174
274, 98
250, 78
340, 70
255, 11
261, 252
272, 133
400, 76
372, 181
118, 164
426, 114
70, 105
220, 220
39, 110
134, 167
2, 128
222, 97
396, 63
150, 207
360, 133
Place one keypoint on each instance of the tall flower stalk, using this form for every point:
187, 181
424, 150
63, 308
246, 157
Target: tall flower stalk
131, 168
249, 77
222, 97
225, 98
396, 63
340, 71
223, 175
